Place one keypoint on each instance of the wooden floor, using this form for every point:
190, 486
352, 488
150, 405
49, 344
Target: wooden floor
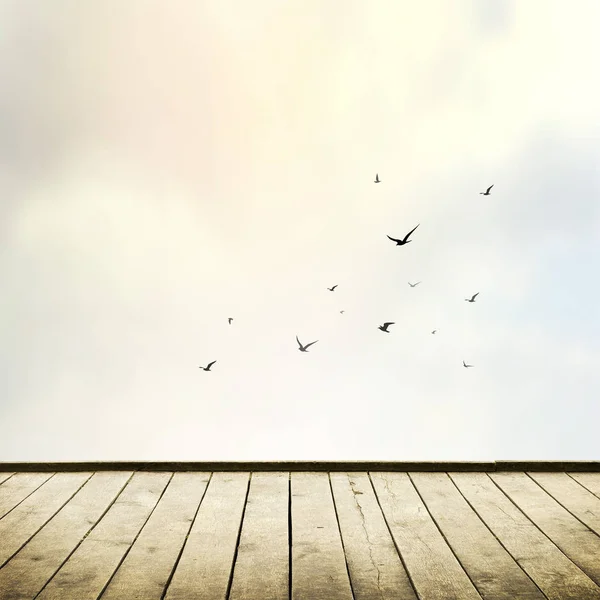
274, 535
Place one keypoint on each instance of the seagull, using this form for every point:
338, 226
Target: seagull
487, 192
305, 348
466, 365
207, 368
342, 312
331, 289
473, 298
385, 326
434, 331
405, 240
377, 180
230, 319
414, 284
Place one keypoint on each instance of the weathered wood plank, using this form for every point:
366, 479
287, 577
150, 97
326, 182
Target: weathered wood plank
261, 570
90, 567
304, 466
5, 476
574, 497
552, 571
31, 568
491, 568
18, 487
576, 540
433, 568
21, 524
319, 569
376, 570
590, 481
205, 566
146, 569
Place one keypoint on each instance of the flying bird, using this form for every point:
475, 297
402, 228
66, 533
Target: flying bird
434, 331
487, 192
331, 289
377, 180
304, 348
385, 326
405, 240
207, 368
230, 319
414, 284
473, 298
342, 312
466, 365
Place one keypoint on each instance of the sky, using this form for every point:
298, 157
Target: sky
165, 166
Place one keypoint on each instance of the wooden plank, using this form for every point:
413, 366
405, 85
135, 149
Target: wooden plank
147, 568
254, 466
434, 570
303, 466
574, 497
375, 568
261, 570
18, 487
22, 523
590, 481
31, 568
552, 571
576, 540
89, 568
5, 476
206, 563
491, 568
319, 569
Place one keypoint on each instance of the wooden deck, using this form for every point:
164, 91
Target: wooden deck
373, 531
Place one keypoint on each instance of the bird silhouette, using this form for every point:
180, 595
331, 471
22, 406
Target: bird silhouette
385, 326
331, 289
230, 319
405, 240
434, 331
414, 284
473, 298
377, 180
207, 368
342, 312
304, 348
466, 365
487, 192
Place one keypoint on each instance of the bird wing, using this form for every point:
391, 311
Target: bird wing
475, 296
394, 239
309, 345
388, 324
491, 186
464, 364
211, 364
299, 344
406, 236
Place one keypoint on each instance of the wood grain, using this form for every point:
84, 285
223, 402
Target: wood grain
90, 567
206, 564
557, 576
262, 566
30, 569
319, 569
434, 570
376, 570
491, 568
147, 568
574, 538
22, 523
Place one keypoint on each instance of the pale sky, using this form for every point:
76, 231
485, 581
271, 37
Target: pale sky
165, 166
